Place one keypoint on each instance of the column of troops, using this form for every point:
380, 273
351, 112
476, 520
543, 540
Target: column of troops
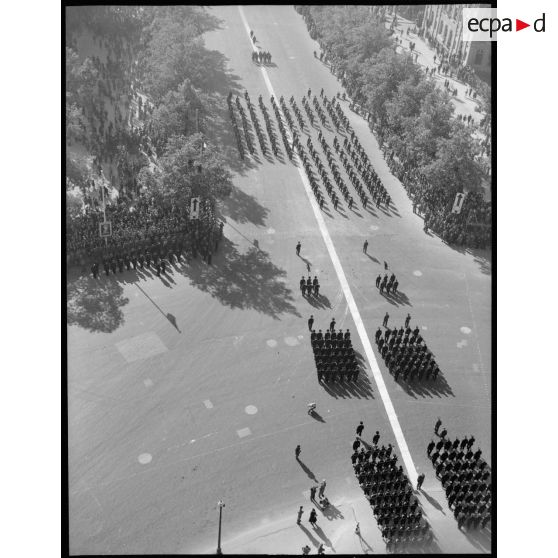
387, 488
269, 127
334, 356
282, 128
406, 354
245, 125
256, 123
235, 126
466, 479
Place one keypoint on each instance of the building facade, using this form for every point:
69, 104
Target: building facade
442, 24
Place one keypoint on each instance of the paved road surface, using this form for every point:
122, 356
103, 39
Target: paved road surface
193, 388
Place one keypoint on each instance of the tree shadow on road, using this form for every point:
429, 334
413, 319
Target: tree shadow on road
246, 281
216, 83
243, 208
95, 304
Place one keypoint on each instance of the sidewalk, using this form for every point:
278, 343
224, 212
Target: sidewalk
281, 534
463, 104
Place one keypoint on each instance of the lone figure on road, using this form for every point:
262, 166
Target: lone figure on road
437, 425
298, 246
310, 322
360, 428
407, 320
420, 480
313, 492
386, 318
297, 451
365, 246
313, 517
299, 515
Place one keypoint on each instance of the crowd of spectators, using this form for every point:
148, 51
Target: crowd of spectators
137, 226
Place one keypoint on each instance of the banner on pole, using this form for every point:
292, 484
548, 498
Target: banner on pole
195, 208
105, 229
458, 203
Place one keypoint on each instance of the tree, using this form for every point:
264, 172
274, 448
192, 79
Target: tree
176, 113
455, 167
79, 170
381, 76
174, 50
181, 178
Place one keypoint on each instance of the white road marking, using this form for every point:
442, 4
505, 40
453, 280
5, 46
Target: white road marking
390, 411
141, 347
251, 410
484, 381
208, 404
417, 273
465, 330
243, 432
145, 458
271, 343
291, 341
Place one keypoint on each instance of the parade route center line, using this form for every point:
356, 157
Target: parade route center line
390, 411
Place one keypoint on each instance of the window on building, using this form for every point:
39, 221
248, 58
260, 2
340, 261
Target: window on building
478, 57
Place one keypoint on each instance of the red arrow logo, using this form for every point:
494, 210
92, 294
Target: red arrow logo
519, 25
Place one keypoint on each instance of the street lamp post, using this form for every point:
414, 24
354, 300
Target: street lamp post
221, 506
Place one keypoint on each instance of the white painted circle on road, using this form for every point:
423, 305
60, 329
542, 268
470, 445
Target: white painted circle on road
145, 458
300, 336
270, 230
251, 410
417, 273
466, 330
148, 382
424, 327
291, 341
373, 227
271, 343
